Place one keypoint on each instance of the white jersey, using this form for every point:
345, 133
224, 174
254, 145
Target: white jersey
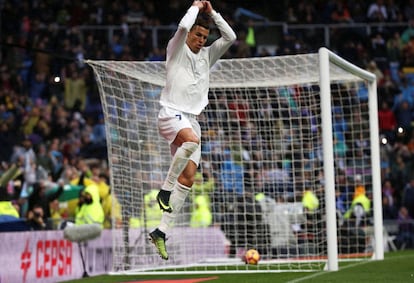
188, 73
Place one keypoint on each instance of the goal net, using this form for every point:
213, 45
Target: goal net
287, 143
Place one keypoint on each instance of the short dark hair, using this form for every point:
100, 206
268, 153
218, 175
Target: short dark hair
202, 20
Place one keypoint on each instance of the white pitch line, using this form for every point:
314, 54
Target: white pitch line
322, 273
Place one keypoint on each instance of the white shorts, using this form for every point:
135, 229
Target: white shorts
171, 121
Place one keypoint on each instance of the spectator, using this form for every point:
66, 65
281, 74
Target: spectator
204, 183
7, 140
6, 198
340, 13
60, 122
57, 158
410, 144
340, 150
31, 119
201, 215
231, 174
42, 198
373, 68
310, 201
308, 13
110, 204
377, 11
36, 218
38, 87
387, 122
246, 215
408, 197
339, 124
405, 94
405, 236
408, 53
157, 54
203, 188
90, 149
7, 208
98, 131
43, 158
358, 11
112, 209
242, 48
75, 90
42, 59
116, 46
409, 9
152, 211
408, 32
57, 215
388, 89
400, 170
81, 173
89, 210
345, 188
394, 55
394, 12
378, 53
360, 207
389, 191
389, 210
340, 203
291, 16
404, 116
251, 37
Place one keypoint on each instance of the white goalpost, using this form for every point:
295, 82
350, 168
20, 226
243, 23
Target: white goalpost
287, 143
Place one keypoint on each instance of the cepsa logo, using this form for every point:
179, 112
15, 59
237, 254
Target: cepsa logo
52, 258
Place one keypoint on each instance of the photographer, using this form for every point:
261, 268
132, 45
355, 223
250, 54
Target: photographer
35, 218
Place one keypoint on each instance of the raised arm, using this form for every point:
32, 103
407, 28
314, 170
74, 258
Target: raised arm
228, 36
178, 40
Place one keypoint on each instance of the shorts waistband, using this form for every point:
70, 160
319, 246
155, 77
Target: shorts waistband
168, 112
189, 115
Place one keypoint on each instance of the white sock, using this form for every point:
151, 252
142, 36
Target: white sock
178, 164
177, 199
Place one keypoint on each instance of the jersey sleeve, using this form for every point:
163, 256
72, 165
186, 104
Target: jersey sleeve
228, 36
178, 40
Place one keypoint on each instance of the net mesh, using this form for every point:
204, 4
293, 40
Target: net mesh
260, 181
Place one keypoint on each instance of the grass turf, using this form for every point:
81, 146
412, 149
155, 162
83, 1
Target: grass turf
396, 267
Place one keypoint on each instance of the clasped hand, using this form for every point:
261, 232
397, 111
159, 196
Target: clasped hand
204, 6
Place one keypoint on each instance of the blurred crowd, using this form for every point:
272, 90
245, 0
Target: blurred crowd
52, 131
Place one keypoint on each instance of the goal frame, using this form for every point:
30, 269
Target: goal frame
322, 75
325, 58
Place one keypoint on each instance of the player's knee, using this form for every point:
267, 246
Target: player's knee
190, 146
194, 139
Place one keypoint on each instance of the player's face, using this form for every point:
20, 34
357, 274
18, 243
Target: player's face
197, 38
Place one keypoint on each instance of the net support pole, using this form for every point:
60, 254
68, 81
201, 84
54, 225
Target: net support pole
328, 160
375, 152
376, 172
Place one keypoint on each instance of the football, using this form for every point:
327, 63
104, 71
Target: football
252, 256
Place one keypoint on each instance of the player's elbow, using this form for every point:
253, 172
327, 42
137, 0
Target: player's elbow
232, 37
183, 28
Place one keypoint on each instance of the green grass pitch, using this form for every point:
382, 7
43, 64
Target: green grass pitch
396, 267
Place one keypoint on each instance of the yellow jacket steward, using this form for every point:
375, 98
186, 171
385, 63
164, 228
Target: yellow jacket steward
7, 208
360, 199
310, 200
91, 213
201, 215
